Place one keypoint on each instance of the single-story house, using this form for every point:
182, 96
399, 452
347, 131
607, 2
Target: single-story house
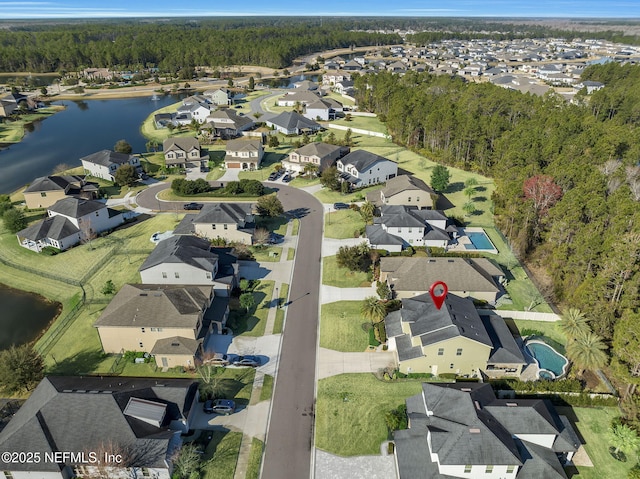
245, 154
323, 155
103, 164
139, 419
461, 430
46, 190
362, 168
292, 123
183, 152
233, 222
185, 259
298, 97
478, 278
452, 339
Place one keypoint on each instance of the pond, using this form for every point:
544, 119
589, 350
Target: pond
84, 127
24, 316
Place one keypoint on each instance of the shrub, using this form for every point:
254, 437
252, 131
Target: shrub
397, 419
372, 338
49, 251
380, 332
447, 375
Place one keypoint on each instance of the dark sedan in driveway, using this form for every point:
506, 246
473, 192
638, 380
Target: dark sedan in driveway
192, 206
247, 361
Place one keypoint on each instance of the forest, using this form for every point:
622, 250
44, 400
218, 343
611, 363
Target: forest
567, 183
174, 45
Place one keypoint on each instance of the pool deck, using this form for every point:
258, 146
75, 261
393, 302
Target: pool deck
463, 240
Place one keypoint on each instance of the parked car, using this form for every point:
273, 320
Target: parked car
247, 361
340, 206
219, 406
193, 206
275, 238
274, 176
287, 178
218, 359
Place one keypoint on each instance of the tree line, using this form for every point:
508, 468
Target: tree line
173, 46
567, 181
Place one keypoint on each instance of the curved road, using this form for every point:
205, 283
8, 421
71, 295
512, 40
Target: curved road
289, 441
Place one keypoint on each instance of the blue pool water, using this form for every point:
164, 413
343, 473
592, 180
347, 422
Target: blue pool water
479, 240
547, 358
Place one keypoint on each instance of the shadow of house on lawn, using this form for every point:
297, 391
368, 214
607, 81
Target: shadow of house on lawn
84, 362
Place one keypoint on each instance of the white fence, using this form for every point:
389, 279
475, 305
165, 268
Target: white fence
358, 130
526, 315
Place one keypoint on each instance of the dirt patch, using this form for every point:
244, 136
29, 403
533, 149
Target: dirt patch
592, 381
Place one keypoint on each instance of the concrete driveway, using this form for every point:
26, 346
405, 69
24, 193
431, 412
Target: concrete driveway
332, 363
267, 348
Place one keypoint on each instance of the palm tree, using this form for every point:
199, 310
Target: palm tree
587, 352
366, 211
573, 324
623, 438
373, 309
469, 192
469, 207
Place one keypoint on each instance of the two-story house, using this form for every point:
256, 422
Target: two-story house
404, 190
362, 168
70, 422
220, 96
186, 113
191, 260
140, 315
69, 221
183, 152
461, 430
323, 155
452, 339
402, 226
298, 97
46, 190
226, 123
325, 109
233, 222
103, 164
244, 154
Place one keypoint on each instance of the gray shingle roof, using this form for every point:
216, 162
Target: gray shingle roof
146, 305
81, 413
230, 213
243, 145
405, 182
56, 227
107, 158
176, 345
54, 183
76, 207
318, 149
189, 250
505, 349
418, 274
377, 236
291, 120
180, 144
362, 160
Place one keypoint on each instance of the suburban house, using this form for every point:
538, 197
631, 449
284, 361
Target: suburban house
140, 419
46, 190
191, 260
478, 278
140, 315
335, 77
292, 123
461, 430
245, 154
221, 96
103, 164
323, 155
404, 190
183, 152
226, 123
590, 85
409, 226
362, 168
298, 97
69, 221
7, 107
324, 109
233, 222
188, 112
452, 339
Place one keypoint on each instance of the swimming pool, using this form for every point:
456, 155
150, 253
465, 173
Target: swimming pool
479, 240
551, 364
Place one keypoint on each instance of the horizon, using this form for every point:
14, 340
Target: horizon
496, 9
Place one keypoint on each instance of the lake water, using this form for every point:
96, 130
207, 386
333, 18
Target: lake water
84, 127
24, 316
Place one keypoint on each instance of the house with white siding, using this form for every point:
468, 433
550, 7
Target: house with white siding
104, 164
362, 168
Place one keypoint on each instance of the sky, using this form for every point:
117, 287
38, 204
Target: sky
14, 9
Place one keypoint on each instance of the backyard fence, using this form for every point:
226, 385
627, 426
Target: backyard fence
59, 327
526, 315
359, 130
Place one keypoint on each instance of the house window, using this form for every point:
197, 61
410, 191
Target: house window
409, 199
417, 198
399, 230
451, 366
43, 194
440, 351
510, 469
177, 275
141, 346
213, 226
208, 275
489, 469
409, 230
225, 226
164, 275
142, 330
467, 468
459, 352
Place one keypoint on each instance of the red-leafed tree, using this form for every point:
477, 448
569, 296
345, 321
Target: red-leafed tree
543, 191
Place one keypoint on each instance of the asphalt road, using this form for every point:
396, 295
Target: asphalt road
288, 449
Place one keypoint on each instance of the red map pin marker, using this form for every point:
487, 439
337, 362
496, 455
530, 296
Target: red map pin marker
438, 300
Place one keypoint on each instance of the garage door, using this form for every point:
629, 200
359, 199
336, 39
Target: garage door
233, 165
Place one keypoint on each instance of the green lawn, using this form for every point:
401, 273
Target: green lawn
266, 253
278, 325
296, 227
360, 122
291, 253
592, 424
341, 224
267, 388
350, 412
276, 224
341, 327
333, 275
221, 455
328, 196
548, 329
253, 324
255, 459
